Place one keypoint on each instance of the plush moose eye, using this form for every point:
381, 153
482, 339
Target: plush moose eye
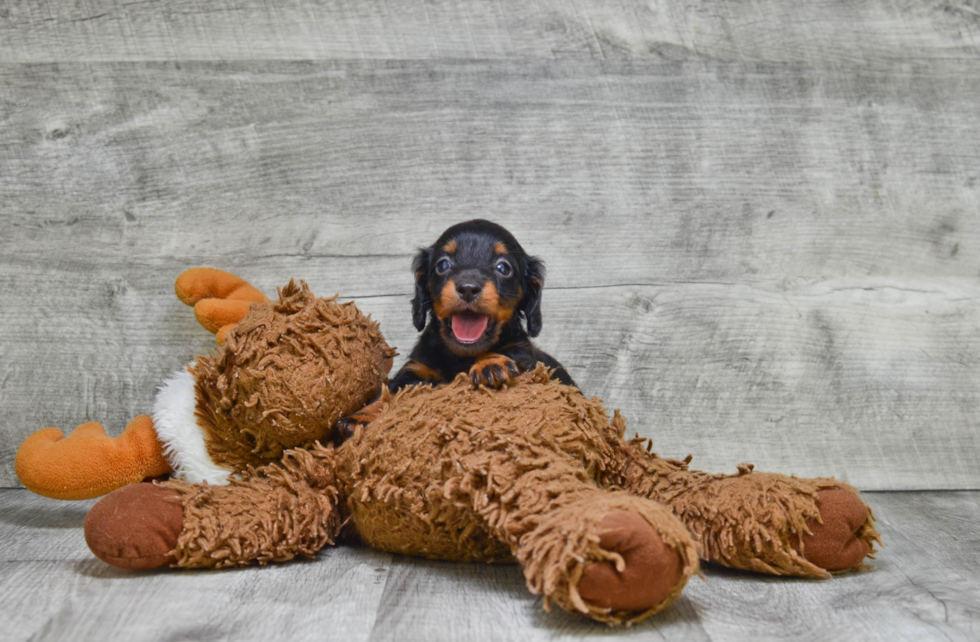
503, 268
443, 266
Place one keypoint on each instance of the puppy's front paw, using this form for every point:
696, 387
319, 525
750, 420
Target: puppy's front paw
493, 371
343, 428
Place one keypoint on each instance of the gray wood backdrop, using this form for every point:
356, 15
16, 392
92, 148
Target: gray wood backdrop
761, 219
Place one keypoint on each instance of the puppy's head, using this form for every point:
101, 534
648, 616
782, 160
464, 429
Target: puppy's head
475, 280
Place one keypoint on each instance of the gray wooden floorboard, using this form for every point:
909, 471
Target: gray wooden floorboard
84, 599
925, 586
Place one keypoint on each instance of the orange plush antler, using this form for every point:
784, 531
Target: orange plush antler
220, 299
89, 463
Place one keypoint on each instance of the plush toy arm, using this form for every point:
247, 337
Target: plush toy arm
278, 512
220, 299
89, 463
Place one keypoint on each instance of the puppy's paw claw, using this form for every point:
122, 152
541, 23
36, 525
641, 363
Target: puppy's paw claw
343, 428
493, 371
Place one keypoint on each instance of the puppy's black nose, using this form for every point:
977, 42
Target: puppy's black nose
468, 290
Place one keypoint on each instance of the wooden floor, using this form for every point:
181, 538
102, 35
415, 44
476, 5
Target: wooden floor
925, 586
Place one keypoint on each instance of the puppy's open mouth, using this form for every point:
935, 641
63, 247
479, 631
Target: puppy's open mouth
468, 327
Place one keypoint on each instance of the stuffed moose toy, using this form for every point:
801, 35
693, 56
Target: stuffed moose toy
533, 472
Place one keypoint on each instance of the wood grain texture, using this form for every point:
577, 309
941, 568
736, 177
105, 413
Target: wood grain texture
756, 262
819, 31
650, 172
82, 598
840, 379
925, 586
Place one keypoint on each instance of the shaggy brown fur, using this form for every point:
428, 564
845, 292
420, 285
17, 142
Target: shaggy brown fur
288, 371
276, 513
524, 473
749, 520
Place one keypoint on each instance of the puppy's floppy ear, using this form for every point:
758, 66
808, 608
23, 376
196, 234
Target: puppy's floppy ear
531, 302
422, 302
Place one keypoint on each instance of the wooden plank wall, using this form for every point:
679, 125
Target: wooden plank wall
760, 219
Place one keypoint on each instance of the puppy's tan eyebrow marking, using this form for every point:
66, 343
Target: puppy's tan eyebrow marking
449, 247
500, 248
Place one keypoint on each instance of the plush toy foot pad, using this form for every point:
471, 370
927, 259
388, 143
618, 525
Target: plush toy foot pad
135, 527
836, 543
649, 571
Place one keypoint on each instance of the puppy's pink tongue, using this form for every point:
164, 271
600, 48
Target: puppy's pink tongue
469, 327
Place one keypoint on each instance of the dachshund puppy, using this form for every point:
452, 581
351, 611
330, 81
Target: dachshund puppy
473, 288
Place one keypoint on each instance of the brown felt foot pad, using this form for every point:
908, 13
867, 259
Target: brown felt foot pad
651, 571
135, 527
834, 544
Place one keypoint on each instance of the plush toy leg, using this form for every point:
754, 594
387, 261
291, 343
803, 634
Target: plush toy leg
762, 522
278, 512
612, 556
777, 524
89, 463
220, 299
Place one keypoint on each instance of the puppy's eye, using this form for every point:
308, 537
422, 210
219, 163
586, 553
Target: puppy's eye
504, 269
443, 266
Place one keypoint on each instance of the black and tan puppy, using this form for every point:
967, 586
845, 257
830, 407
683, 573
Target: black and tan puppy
473, 289
478, 303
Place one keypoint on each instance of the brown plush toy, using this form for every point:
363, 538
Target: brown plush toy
534, 473
289, 372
